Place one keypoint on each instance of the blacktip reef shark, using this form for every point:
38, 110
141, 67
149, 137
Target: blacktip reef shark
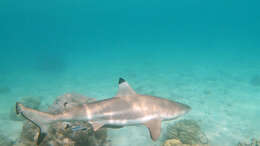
125, 109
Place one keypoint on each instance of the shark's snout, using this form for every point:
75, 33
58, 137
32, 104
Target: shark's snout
187, 108
184, 108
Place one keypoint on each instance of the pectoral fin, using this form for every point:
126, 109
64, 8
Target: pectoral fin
96, 125
154, 127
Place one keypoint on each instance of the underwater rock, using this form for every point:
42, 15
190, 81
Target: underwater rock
51, 62
30, 101
188, 132
254, 142
172, 142
176, 142
4, 141
58, 135
67, 101
255, 81
5, 90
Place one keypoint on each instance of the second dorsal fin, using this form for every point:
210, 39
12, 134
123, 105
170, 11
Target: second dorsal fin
124, 88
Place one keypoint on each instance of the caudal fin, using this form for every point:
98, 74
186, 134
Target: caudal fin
40, 119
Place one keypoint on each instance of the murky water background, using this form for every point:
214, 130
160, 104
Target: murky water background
204, 54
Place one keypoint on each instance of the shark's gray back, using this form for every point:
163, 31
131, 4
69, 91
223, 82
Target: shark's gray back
113, 111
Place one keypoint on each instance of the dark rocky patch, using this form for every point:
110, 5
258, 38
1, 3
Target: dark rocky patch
59, 134
5, 90
4, 141
253, 142
255, 80
187, 132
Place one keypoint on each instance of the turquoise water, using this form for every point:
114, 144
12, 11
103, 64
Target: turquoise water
201, 53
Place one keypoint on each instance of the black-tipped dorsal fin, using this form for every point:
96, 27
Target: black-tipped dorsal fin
124, 89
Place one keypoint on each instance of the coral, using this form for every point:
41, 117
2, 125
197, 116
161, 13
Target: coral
187, 131
4, 141
67, 101
58, 135
254, 142
176, 142
255, 81
172, 142
30, 101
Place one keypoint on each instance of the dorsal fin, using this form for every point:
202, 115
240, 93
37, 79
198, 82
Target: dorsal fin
124, 89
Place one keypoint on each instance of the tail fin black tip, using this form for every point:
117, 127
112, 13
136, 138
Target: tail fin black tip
17, 108
41, 136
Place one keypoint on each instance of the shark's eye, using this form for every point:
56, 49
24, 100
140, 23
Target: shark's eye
66, 125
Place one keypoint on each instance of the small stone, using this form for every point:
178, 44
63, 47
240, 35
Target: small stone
253, 142
258, 143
